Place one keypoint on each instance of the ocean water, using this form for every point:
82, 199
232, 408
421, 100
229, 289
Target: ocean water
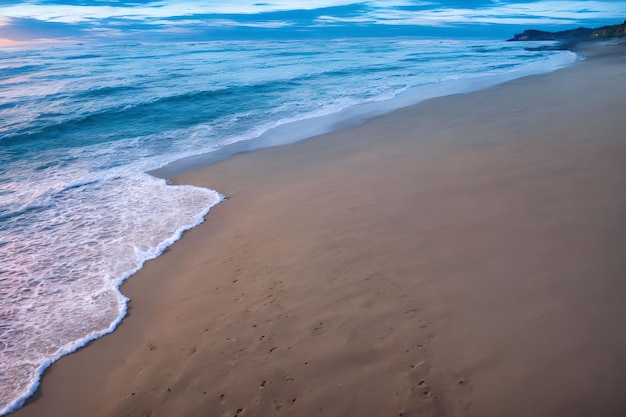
81, 125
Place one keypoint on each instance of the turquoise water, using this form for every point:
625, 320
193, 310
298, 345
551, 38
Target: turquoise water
81, 125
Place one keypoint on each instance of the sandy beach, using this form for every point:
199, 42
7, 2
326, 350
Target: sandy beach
460, 257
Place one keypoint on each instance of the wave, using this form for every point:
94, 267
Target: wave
191, 107
188, 108
106, 91
295, 53
76, 280
84, 56
19, 70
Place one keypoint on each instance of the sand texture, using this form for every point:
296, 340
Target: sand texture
462, 257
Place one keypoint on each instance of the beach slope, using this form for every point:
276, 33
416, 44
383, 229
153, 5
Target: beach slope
460, 257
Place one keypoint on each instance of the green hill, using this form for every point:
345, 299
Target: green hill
579, 34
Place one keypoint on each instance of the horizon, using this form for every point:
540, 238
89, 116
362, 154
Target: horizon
111, 21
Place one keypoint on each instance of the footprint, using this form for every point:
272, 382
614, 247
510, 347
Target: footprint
278, 403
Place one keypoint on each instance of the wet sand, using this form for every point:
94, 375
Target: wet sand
460, 257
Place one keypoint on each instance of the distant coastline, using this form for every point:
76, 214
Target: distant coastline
573, 35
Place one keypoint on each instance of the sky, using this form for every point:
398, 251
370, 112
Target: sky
198, 20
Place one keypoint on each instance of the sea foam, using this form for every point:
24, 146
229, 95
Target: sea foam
89, 239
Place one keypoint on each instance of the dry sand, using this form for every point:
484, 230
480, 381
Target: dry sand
461, 257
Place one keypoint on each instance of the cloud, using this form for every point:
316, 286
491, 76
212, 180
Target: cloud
9, 42
563, 9
378, 11
27, 29
66, 13
75, 18
273, 24
531, 13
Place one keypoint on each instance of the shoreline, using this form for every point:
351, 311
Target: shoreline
358, 114
348, 117
324, 152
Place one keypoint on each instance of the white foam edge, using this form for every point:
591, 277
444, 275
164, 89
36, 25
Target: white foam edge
326, 120
74, 346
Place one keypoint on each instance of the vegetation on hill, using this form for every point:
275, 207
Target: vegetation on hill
579, 34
